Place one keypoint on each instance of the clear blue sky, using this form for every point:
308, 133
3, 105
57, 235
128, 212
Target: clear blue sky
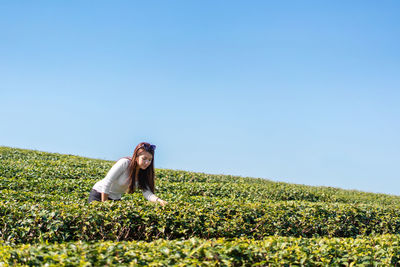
305, 92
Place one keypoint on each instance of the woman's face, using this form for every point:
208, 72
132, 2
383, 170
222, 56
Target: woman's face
144, 160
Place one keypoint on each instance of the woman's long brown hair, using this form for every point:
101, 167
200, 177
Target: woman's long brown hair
146, 177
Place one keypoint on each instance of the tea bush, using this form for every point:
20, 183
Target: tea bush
271, 251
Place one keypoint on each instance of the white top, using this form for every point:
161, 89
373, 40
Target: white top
116, 182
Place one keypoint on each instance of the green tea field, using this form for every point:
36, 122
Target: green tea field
210, 220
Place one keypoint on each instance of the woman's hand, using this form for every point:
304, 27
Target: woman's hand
162, 202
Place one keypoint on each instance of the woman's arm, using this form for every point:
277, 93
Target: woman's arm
150, 196
153, 198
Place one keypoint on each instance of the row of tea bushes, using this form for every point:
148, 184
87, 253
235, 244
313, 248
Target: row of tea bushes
40, 167
23, 163
69, 167
38, 197
274, 191
138, 219
47, 185
82, 197
272, 251
238, 191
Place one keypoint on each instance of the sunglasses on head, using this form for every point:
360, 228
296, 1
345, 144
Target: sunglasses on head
148, 147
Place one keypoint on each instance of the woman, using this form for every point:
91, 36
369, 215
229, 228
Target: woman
127, 174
